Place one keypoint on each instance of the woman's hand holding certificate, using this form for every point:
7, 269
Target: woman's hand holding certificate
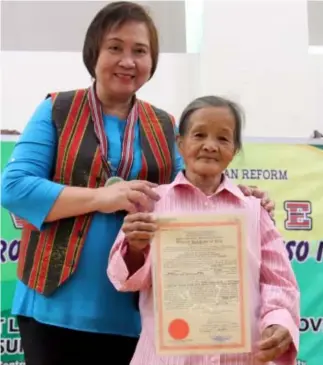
139, 229
275, 342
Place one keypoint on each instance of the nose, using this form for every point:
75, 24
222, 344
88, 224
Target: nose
210, 145
127, 61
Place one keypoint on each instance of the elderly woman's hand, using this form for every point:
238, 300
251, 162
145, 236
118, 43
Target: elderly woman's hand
130, 196
139, 229
276, 341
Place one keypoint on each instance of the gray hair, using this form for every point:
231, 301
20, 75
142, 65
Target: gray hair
217, 102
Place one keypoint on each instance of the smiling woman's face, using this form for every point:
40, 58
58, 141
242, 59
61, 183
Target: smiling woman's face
124, 63
208, 145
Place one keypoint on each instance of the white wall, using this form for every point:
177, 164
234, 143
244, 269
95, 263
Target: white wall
249, 52
28, 76
256, 51
316, 79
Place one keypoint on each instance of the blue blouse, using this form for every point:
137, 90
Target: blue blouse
87, 301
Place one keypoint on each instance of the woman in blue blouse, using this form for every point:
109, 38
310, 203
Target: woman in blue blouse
59, 180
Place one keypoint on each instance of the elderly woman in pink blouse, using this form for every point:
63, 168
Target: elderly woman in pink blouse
209, 137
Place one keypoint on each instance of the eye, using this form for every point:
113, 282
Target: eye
114, 48
199, 135
223, 138
141, 51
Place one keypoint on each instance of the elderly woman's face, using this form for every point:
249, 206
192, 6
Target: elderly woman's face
208, 144
124, 63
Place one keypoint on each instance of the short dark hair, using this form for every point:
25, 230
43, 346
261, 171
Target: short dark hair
217, 102
115, 15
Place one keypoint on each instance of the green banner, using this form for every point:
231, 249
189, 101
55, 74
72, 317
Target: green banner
11, 350
291, 173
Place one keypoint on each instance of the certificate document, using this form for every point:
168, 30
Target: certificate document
200, 285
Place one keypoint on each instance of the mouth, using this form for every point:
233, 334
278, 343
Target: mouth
125, 77
208, 158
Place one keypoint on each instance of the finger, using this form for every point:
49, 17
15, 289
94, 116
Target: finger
273, 353
141, 200
148, 183
140, 236
140, 216
285, 344
265, 336
139, 226
145, 189
259, 194
265, 201
245, 190
286, 341
130, 207
272, 338
268, 205
267, 355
